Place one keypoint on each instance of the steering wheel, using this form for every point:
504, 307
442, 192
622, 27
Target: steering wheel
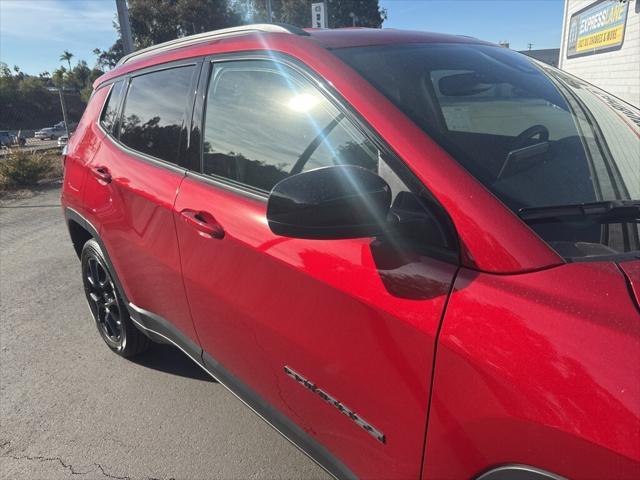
522, 140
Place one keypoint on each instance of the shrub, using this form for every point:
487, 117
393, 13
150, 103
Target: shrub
21, 168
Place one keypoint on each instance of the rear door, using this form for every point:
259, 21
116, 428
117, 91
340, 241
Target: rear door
337, 335
133, 182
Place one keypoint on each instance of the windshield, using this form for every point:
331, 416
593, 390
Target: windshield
533, 135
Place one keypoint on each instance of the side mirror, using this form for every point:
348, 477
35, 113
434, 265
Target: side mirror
330, 203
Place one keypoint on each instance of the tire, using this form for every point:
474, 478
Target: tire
107, 307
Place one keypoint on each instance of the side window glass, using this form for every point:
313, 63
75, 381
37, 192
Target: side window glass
110, 111
264, 121
154, 112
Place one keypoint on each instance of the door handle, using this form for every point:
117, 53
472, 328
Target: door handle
102, 174
203, 222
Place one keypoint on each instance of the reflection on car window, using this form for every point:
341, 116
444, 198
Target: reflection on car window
108, 118
533, 135
476, 103
264, 122
154, 111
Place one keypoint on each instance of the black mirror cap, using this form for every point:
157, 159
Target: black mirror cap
330, 203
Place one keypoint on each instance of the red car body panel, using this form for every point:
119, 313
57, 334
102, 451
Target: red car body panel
260, 302
81, 148
537, 361
134, 215
538, 369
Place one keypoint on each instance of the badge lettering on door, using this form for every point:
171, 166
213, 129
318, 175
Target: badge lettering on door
375, 433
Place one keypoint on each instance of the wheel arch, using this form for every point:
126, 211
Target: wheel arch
79, 235
81, 230
518, 472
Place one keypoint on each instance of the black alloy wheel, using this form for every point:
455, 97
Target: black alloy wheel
103, 301
107, 307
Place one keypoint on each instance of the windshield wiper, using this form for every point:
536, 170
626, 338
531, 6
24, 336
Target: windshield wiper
614, 211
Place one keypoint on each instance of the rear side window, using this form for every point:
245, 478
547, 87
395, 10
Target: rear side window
154, 112
264, 121
110, 111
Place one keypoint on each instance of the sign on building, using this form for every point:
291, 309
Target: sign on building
318, 15
597, 28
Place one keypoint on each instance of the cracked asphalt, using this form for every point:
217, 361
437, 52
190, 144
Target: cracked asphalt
69, 408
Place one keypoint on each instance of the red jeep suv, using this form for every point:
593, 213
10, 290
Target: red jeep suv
415, 255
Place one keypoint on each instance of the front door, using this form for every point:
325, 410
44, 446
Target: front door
337, 335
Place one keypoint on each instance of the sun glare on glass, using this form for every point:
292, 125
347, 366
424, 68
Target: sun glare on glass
302, 102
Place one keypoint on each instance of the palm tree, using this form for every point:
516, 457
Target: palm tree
66, 57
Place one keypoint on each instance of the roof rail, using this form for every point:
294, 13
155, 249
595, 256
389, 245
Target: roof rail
224, 32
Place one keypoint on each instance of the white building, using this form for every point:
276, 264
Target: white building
601, 44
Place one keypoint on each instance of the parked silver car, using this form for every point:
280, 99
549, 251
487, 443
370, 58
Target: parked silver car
51, 133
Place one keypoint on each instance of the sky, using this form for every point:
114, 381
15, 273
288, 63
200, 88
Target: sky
34, 33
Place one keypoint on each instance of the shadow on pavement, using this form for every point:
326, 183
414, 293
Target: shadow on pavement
169, 359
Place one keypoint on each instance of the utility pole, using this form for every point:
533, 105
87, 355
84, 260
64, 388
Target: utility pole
125, 26
530, 45
64, 111
326, 13
269, 12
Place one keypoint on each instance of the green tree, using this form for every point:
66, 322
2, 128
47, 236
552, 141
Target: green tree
58, 77
78, 77
340, 13
157, 21
31, 101
109, 58
5, 71
66, 57
368, 13
197, 16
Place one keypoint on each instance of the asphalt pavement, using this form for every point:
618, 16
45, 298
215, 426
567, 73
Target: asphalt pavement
70, 408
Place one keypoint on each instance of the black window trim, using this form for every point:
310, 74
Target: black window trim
180, 166
108, 85
116, 123
399, 167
